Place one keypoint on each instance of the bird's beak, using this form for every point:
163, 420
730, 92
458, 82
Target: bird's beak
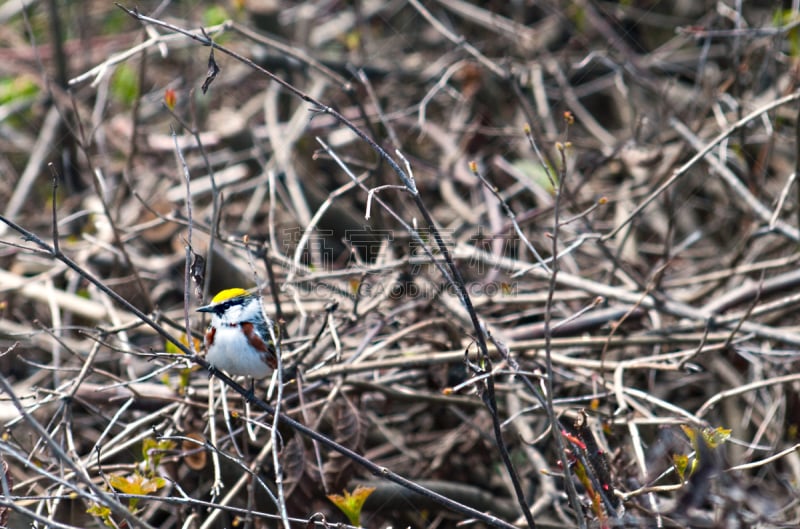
206, 308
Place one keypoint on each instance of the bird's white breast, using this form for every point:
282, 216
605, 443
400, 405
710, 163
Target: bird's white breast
232, 352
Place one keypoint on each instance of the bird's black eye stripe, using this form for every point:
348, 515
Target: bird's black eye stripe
225, 305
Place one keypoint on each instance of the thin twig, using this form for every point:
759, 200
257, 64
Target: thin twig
683, 169
555, 426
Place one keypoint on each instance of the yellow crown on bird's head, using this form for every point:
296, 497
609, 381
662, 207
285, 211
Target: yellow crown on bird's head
229, 293
227, 298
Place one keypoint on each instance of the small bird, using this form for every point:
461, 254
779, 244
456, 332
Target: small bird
238, 339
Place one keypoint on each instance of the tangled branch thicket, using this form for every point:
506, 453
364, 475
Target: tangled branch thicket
534, 263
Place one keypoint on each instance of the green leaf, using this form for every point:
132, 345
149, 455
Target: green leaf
536, 173
153, 452
215, 15
102, 512
13, 89
681, 463
784, 17
351, 504
127, 484
716, 436
125, 84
